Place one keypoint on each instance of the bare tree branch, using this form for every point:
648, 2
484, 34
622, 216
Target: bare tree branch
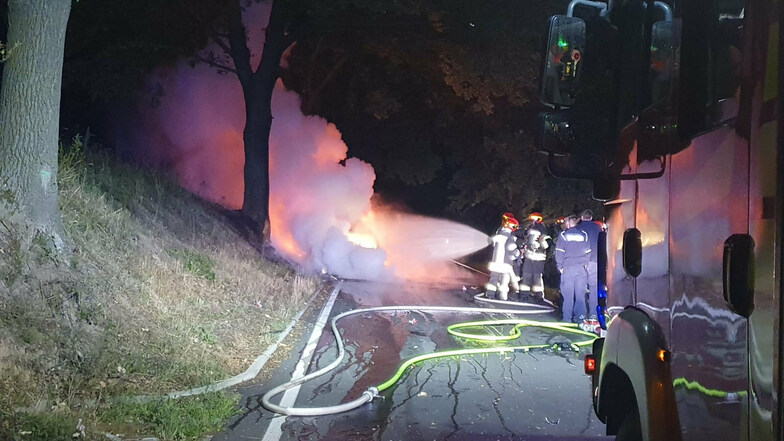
325, 80
218, 39
238, 45
216, 64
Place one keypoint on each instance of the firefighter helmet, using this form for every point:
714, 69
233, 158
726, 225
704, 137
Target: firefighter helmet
511, 223
507, 215
536, 217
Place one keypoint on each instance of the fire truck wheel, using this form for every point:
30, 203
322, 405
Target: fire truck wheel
630, 427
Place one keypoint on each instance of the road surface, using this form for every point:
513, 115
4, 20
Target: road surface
540, 395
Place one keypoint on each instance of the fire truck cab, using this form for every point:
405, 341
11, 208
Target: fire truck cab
671, 109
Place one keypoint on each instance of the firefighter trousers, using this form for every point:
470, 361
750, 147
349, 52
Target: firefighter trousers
573, 283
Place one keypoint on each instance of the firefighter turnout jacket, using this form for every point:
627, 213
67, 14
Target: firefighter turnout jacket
505, 251
535, 242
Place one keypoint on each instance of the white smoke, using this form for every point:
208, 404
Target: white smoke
317, 193
318, 196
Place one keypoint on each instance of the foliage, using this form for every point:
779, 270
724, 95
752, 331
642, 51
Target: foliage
41, 427
5, 52
112, 46
182, 419
11, 259
439, 95
195, 263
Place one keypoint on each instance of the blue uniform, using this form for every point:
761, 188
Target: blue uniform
572, 254
592, 229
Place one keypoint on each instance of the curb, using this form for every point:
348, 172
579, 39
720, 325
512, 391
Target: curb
255, 367
251, 372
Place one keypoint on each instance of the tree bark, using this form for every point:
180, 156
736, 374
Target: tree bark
29, 116
257, 89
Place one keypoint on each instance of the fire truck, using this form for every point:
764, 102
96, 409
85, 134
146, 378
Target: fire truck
671, 110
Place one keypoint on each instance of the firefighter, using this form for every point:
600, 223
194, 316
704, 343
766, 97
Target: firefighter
592, 230
501, 268
572, 253
516, 263
534, 245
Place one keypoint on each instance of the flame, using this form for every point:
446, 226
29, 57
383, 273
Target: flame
652, 238
323, 211
362, 239
283, 236
362, 233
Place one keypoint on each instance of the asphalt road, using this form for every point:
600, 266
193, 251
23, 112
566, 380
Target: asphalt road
540, 395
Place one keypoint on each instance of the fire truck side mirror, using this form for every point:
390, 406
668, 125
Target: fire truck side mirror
632, 252
606, 188
711, 67
563, 57
658, 123
663, 69
555, 133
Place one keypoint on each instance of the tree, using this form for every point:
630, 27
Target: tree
182, 29
257, 88
29, 111
112, 47
439, 95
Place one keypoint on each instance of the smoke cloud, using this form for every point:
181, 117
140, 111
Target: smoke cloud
314, 198
323, 213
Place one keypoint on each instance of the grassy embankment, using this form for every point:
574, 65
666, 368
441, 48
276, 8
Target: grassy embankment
159, 294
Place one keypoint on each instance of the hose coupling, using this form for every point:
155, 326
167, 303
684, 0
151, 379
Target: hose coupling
372, 392
564, 346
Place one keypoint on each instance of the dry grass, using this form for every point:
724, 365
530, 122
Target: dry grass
159, 294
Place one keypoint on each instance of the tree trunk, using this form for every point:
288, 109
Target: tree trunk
29, 116
256, 136
257, 89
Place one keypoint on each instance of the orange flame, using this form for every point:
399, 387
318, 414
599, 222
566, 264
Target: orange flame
283, 237
363, 240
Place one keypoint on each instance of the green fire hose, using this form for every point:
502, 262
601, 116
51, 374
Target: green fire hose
457, 330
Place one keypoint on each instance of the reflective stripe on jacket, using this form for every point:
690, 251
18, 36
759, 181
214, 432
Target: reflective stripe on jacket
535, 245
504, 251
572, 248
